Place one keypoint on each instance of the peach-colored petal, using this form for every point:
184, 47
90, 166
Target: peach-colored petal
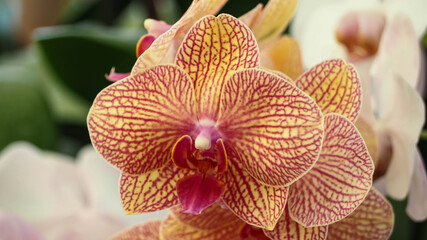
265, 117
338, 182
372, 220
145, 231
215, 48
134, 123
369, 136
283, 55
335, 86
274, 19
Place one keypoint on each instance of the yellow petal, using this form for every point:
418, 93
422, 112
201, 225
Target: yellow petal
284, 55
274, 19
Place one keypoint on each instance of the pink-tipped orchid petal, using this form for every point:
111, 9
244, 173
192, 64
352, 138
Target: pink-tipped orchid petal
173, 229
274, 19
16, 228
406, 110
372, 220
156, 27
197, 192
283, 55
144, 43
417, 197
253, 202
151, 191
214, 48
288, 229
399, 54
335, 86
38, 185
144, 231
114, 77
134, 123
163, 49
338, 182
275, 128
213, 217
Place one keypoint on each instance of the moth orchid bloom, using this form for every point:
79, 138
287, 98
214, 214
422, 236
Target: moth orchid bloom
161, 43
213, 126
278, 52
50, 196
383, 45
373, 219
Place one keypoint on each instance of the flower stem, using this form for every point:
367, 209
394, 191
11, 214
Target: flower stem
423, 134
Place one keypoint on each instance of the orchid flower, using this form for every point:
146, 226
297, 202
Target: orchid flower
47, 196
161, 43
211, 127
373, 219
383, 45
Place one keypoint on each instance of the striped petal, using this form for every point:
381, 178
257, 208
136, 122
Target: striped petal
163, 49
335, 86
338, 182
288, 229
253, 202
214, 48
372, 220
274, 19
145, 231
151, 191
134, 123
213, 217
275, 128
173, 229
284, 55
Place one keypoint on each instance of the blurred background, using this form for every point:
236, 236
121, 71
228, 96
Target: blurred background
54, 55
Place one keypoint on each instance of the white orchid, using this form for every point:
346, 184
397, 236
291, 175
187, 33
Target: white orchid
382, 42
47, 195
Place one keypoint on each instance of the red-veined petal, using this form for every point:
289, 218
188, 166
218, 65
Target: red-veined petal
253, 202
338, 182
197, 192
213, 217
163, 49
372, 220
134, 123
151, 191
275, 128
214, 48
335, 86
288, 229
173, 229
145, 231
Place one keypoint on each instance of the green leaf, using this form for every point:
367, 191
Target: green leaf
80, 56
24, 111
